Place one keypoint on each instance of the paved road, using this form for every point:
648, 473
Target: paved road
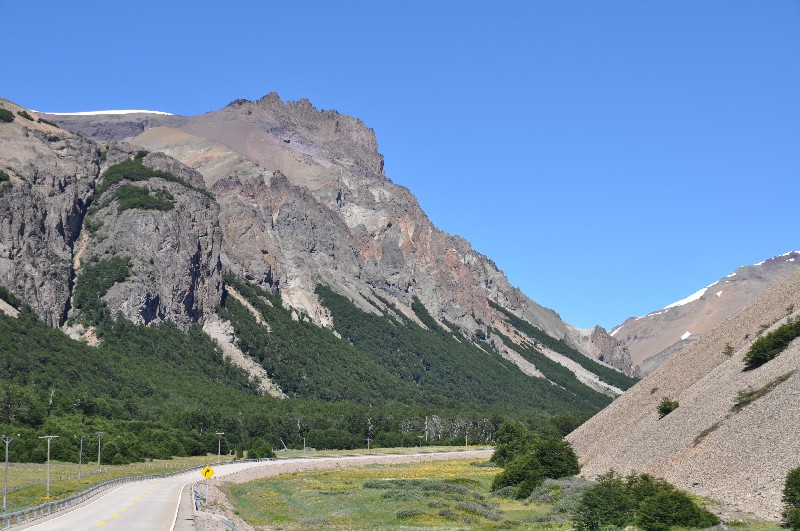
144, 505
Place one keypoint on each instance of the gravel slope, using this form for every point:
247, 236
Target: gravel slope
740, 459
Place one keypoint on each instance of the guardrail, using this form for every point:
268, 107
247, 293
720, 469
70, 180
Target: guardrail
40, 511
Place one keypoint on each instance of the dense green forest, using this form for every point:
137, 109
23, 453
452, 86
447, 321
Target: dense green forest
607, 374
158, 391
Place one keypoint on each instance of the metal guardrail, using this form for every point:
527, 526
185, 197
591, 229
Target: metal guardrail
40, 511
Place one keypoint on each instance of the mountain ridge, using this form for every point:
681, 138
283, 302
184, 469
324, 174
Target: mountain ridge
383, 237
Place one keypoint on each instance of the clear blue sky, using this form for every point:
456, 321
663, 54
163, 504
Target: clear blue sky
610, 157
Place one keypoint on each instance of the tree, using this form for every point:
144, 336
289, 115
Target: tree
791, 499
609, 503
672, 508
511, 439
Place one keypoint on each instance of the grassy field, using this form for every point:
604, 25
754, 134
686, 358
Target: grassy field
26, 481
441, 495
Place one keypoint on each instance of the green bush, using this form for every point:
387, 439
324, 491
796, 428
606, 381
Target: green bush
549, 457
791, 499
4, 176
672, 508
129, 196
95, 280
25, 115
511, 440
609, 503
133, 170
767, 347
650, 503
666, 407
48, 122
6, 116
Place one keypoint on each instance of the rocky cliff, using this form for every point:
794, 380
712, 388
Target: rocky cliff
732, 436
60, 211
304, 201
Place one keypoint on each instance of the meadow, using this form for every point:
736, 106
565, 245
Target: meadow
27, 481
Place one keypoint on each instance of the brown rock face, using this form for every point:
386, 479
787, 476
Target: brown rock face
304, 201
174, 254
41, 210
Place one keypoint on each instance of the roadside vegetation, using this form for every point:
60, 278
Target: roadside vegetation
26, 481
458, 495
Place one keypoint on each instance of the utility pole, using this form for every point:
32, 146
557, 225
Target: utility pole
99, 434
49, 438
368, 440
80, 455
7, 440
219, 444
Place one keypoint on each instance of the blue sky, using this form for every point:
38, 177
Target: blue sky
610, 157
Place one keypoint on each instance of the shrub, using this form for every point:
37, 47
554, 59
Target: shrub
6, 116
749, 395
542, 458
672, 508
791, 499
410, 513
4, 176
133, 170
649, 502
129, 196
666, 407
511, 439
48, 122
609, 503
25, 115
767, 347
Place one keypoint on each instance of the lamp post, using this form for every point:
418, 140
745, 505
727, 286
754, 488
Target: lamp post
80, 455
49, 438
219, 444
7, 440
99, 435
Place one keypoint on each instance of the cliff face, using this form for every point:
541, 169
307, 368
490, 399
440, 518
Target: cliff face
732, 437
52, 176
55, 177
304, 201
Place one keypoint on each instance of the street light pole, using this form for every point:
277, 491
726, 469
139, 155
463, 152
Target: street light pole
49, 438
80, 455
99, 434
7, 440
219, 444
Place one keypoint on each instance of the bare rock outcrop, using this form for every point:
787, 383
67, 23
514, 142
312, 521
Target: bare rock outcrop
52, 176
175, 272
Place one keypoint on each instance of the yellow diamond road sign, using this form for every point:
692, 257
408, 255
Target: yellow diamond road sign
207, 472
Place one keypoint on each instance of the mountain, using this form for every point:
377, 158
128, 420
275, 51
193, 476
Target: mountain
304, 201
655, 337
267, 236
733, 436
